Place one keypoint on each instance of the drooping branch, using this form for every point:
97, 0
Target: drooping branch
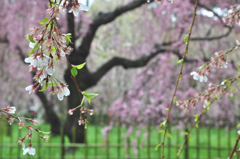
104, 18
52, 117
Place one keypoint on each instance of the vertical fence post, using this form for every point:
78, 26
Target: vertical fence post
107, 146
11, 140
219, 142
62, 143
19, 146
148, 141
73, 141
86, 145
119, 138
209, 142
39, 145
197, 131
96, 117
1, 138
50, 147
169, 142
229, 142
186, 145
178, 143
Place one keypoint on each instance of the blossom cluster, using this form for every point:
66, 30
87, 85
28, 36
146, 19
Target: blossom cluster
8, 114
49, 47
214, 92
233, 14
203, 71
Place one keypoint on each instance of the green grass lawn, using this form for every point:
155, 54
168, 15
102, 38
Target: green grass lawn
210, 143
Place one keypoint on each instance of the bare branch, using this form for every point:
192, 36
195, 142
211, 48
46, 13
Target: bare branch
104, 18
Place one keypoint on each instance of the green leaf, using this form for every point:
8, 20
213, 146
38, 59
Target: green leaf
201, 67
180, 61
31, 39
169, 135
237, 67
167, 109
161, 131
68, 37
197, 125
82, 100
34, 49
180, 77
186, 133
44, 88
44, 21
238, 125
186, 39
157, 147
164, 123
79, 66
196, 17
89, 96
186, 53
196, 117
175, 100
50, 83
86, 123
55, 60
74, 72
53, 49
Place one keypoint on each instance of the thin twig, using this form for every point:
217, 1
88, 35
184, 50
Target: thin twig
234, 148
179, 76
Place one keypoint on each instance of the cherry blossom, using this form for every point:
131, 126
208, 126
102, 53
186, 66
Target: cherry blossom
197, 77
30, 150
70, 111
62, 91
78, 6
11, 109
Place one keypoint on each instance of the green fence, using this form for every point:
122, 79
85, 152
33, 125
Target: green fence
204, 143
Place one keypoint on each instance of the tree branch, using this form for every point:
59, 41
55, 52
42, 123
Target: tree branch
104, 18
215, 37
125, 63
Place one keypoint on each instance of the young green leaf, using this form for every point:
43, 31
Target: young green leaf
74, 72
79, 66
82, 100
44, 88
201, 67
175, 100
164, 123
44, 21
161, 131
156, 148
169, 135
34, 49
186, 39
55, 60
50, 83
31, 39
89, 96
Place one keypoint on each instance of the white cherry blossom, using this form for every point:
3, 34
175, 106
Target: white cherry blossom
63, 91
32, 60
197, 77
30, 89
30, 150
31, 45
11, 110
42, 61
